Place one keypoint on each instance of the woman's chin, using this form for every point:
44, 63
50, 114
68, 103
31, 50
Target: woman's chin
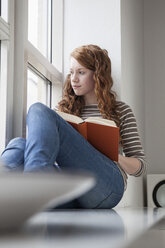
78, 93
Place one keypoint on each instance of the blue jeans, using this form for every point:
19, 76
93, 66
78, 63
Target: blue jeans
50, 139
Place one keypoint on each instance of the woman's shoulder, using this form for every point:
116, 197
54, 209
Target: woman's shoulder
122, 106
125, 111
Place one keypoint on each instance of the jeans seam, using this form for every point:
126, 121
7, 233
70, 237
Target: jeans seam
112, 193
102, 201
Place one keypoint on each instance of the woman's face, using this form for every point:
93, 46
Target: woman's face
82, 80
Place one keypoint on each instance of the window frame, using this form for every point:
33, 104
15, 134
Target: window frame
6, 76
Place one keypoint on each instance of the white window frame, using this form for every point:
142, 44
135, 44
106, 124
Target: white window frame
20, 53
6, 76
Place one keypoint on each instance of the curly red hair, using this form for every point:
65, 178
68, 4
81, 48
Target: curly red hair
96, 59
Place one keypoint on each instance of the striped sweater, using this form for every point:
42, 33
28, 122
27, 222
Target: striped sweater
131, 145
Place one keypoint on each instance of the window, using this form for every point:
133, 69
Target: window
45, 29
4, 9
39, 25
38, 88
31, 68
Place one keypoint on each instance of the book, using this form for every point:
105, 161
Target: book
103, 134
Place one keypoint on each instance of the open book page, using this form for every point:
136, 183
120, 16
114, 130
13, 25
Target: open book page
99, 120
78, 120
70, 117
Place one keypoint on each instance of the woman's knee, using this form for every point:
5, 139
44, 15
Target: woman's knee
12, 157
18, 142
39, 111
36, 108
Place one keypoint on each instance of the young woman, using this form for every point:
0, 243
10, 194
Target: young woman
52, 143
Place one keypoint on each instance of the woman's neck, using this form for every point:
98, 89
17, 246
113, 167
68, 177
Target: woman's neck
90, 100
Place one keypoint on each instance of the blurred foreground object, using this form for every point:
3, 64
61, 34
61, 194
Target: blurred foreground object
22, 195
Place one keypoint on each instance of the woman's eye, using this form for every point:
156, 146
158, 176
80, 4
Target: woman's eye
81, 72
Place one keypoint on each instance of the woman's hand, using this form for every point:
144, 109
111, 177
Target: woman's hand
129, 164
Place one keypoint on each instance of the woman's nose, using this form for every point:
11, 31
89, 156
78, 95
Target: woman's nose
74, 77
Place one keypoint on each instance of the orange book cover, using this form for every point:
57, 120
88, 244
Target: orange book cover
103, 134
104, 138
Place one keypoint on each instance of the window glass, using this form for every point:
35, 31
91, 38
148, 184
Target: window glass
39, 25
38, 89
4, 9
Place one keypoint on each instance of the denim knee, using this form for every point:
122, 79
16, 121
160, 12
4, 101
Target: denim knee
18, 142
12, 157
42, 112
36, 107
38, 110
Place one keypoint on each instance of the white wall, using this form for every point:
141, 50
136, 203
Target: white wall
93, 22
155, 84
132, 80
